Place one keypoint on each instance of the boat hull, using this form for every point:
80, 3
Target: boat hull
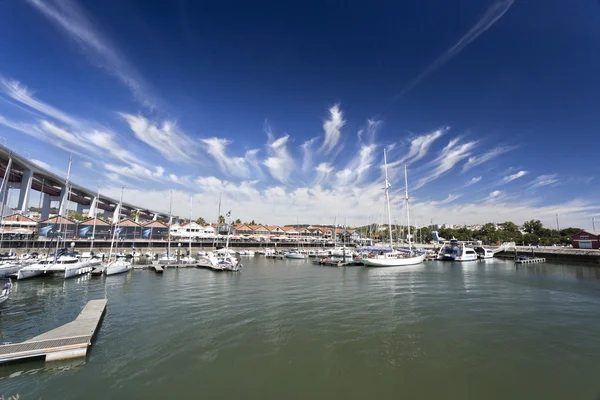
9, 269
393, 262
296, 256
30, 272
117, 267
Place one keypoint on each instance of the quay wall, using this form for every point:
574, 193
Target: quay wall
558, 254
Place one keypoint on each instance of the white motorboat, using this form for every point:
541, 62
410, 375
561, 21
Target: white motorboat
117, 267
91, 259
483, 253
188, 260
250, 253
5, 293
33, 270
395, 258
295, 255
454, 250
219, 262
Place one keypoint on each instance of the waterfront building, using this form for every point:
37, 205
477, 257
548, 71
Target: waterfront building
129, 230
102, 230
49, 227
18, 226
155, 230
586, 240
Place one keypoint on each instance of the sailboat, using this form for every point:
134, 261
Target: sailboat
120, 265
90, 257
168, 259
395, 258
189, 259
295, 254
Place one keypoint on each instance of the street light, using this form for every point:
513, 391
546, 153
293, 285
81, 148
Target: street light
593, 223
557, 227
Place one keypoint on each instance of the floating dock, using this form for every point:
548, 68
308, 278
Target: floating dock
68, 341
531, 261
158, 268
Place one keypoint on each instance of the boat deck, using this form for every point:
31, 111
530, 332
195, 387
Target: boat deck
67, 341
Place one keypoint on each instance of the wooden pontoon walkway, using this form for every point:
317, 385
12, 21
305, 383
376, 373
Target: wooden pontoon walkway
68, 341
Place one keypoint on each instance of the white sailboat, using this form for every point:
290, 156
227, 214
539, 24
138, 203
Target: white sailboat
168, 259
296, 254
119, 265
91, 259
395, 258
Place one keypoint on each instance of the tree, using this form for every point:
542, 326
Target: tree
135, 215
201, 221
533, 226
238, 221
252, 222
221, 219
72, 214
510, 227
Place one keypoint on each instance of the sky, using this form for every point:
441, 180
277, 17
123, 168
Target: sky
286, 108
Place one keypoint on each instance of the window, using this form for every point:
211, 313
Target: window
583, 237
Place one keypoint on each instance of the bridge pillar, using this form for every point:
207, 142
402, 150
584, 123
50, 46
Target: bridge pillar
80, 208
25, 192
45, 206
107, 214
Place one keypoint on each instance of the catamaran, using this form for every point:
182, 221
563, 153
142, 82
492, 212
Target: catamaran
119, 265
395, 258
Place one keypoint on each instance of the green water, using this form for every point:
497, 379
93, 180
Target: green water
288, 329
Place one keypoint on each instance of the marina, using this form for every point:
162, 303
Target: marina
327, 324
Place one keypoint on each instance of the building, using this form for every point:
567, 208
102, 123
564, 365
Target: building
18, 226
129, 230
586, 240
49, 227
155, 230
193, 230
102, 230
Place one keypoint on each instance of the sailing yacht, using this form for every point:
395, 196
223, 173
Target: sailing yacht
168, 259
395, 258
119, 265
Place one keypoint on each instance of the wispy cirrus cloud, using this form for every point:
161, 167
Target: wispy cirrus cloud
20, 93
307, 154
72, 19
472, 181
510, 178
228, 164
451, 155
543, 180
332, 128
420, 145
485, 157
167, 139
491, 16
279, 163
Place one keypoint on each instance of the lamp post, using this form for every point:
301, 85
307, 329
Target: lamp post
557, 226
593, 223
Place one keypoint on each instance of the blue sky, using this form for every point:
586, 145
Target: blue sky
286, 108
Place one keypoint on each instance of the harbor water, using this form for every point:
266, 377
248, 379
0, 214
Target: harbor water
287, 329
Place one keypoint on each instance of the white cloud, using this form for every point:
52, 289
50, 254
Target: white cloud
18, 92
487, 156
307, 150
68, 16
359, 166
473, 181
451, 155
87, 164
514, 176
332, 128
137, 172
543, 180
279, 163
419, 146
449, 199
169, 141
492, 15
228, 164
42, 164
494, 194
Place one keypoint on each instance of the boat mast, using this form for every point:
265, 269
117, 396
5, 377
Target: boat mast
191, 204
387, 199
60, 208
170, 221
117, 215
94, 227
3, 197
408, 236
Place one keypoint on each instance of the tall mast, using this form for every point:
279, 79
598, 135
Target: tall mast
117, 215
62, 205
387, 199
170, 218
191, 204
94, 227
408, 236
3, 197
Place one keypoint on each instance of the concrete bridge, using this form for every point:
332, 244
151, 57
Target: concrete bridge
27, 177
